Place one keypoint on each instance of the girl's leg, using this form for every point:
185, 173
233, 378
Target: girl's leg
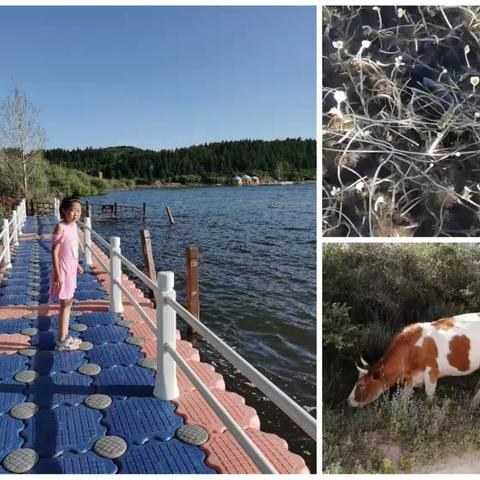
64, 319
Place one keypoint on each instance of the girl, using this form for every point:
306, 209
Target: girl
63, 278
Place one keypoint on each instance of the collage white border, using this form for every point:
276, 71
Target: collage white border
365, 240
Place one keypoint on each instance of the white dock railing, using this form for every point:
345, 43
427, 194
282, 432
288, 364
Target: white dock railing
167, 308
11, 231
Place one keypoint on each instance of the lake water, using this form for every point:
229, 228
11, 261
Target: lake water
257, 251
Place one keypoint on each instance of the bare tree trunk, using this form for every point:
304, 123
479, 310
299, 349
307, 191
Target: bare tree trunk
25, 186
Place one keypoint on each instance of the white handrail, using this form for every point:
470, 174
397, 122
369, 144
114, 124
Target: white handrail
15, 227
166, 385
277, 396
239, 434
139, 308
167, 306
95, 234
138, 272
150, 283
100, 261
116, 305
100, 239
87, 241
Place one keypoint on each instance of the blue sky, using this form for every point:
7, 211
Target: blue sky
162, 77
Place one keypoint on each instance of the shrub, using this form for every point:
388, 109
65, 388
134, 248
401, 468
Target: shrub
370, 292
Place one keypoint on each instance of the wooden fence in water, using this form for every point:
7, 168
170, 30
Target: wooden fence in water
114, 211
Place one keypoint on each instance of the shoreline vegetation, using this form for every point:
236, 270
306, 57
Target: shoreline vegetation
29, 170
160, 185
98, 170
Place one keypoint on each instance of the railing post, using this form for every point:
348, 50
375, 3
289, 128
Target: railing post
56, 208
24, 202
148, 258
115, 274
192, 301
15, 228
6, 262
87, 241
20, 217
166, 386
19, 221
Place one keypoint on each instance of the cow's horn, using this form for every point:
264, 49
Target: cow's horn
364, 363
361, 370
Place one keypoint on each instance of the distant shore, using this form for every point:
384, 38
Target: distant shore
202, 185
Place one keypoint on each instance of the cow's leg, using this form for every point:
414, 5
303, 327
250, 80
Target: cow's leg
430, 384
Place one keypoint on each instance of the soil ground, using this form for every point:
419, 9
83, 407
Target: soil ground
466, 463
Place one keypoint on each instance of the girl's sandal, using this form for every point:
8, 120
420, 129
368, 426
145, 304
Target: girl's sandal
68, 345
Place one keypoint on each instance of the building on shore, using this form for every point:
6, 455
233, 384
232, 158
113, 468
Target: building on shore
244, 180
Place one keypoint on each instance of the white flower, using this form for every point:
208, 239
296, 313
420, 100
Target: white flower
398, 61
377, 9
366, 133
457, 154
338, 44
378, 202
359, 186
443, 72
400, 12
339, 96
335, 191
477, 114
474, 81
467, 50
366, 43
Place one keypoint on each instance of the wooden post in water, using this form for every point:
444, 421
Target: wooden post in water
193, 293
144, 211
87, 208
115, 210
148, 259
170, 216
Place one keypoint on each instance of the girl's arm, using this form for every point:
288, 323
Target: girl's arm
55, 261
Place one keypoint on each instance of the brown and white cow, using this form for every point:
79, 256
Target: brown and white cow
420, 355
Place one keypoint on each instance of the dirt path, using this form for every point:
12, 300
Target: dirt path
466, 463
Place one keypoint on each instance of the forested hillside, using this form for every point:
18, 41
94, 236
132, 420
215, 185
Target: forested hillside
290, 159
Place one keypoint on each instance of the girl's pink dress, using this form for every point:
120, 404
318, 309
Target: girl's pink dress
68, 262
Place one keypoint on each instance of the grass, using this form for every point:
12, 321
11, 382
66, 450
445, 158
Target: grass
425, 433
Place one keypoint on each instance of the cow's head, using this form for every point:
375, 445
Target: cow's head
370, 385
